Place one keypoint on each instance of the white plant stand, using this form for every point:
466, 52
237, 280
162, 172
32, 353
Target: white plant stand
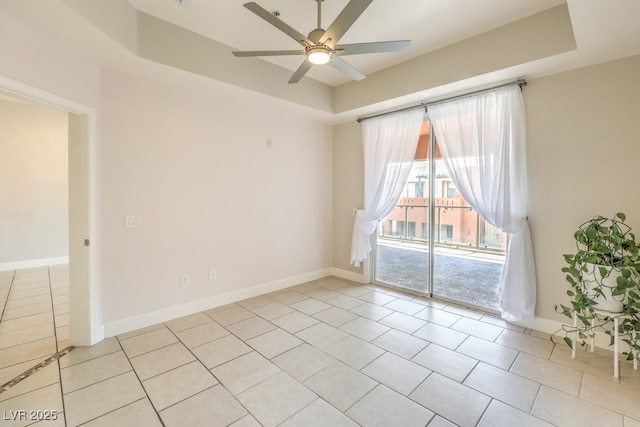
616, 339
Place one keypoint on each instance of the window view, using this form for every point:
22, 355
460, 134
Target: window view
468, 252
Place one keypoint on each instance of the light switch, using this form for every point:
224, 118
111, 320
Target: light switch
131, 221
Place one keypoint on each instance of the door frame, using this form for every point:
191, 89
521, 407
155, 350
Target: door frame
84, 329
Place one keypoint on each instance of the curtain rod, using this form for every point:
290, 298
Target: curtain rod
520, 82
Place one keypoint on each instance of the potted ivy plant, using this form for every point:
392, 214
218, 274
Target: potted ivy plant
603, 281
605, 261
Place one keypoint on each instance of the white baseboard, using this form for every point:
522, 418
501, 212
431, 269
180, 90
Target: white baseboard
347, 275
540, 324
553, 326
137, 322
33, 263
99, 335
142, 321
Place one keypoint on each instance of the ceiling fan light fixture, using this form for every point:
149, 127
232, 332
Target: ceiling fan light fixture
319, 55
321, 46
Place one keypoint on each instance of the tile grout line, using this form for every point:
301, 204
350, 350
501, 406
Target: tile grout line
133, 369
64, 409
196, 359
535, 400
6, 301
35, 369
53, 313
190, 350
324, 350
114, 410
386, 351
55, 336
492, 398
252, 349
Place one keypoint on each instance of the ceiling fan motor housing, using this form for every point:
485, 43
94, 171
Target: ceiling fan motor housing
316, 35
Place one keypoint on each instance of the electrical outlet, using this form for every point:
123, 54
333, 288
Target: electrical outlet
184, 280
212, 274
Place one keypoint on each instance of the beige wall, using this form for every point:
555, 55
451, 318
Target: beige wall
34, 190
583, 160
195, 166
583, 151
210, 195
348, 193
37, 60
537, 36
165, 43
193, 163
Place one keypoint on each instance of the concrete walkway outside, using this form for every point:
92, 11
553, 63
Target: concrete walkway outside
465, 276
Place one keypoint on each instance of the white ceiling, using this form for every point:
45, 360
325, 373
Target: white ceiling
604, 30
429, 24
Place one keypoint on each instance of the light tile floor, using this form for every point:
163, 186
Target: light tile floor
325, 353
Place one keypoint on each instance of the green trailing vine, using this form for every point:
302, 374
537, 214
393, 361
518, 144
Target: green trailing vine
606, 249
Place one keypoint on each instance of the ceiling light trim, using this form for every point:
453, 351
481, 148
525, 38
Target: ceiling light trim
319, 55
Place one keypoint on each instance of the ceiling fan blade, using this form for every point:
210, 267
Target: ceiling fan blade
346, 68
276, 22
243, 53
374, 47
301, 71
344, 21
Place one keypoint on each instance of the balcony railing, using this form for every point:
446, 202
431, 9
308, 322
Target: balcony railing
456, 226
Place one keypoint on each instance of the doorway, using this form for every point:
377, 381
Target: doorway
434, 243
84, 328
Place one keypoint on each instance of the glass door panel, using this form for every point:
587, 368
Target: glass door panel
466, 254
469, 252
402, 249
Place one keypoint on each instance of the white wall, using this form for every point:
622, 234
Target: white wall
34, 185
210, 195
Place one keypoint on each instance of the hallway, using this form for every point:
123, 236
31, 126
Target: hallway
34, 313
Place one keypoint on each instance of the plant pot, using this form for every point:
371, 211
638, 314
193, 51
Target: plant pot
607, 283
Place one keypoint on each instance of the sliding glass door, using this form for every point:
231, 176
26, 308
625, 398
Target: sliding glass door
402, 249
433, 242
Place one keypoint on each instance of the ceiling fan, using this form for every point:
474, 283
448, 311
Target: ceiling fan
320, 46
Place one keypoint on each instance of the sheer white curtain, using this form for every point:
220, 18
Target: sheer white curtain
389, 144
482, 139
